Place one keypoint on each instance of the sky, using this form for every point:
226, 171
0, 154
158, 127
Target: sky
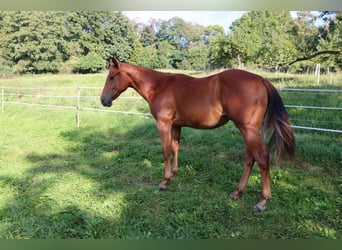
204, 18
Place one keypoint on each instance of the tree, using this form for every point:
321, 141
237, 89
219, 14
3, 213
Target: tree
305, 33
174, 31
212, 31
245, 36
181, 36
86, 29
106, 33
4, 67
304, 37
263, 38
221, 52
40, 42
319, 45
219, 46
198, 57
331, 40
120, 37
149, 58
34, 41
147, 36
277, 41
165, 52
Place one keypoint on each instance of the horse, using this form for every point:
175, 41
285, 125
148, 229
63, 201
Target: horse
250, 101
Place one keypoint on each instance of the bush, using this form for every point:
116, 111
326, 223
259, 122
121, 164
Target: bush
67, 67
91, 63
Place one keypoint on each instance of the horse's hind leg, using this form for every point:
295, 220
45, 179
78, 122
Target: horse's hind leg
255, 150
170, 137
176, 132
241, 188
262, 158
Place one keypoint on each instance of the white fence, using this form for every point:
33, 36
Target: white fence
72, 98
337, 110
87, 99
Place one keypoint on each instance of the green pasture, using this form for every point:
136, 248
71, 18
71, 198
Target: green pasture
100, 180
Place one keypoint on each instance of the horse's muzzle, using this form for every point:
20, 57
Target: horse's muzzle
106, 101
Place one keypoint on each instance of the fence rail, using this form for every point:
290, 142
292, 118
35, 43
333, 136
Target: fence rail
10, 95
318, 129
311, 90
312, 107
40, 105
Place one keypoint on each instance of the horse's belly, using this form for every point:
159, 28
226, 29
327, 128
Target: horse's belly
209, 124
202, 119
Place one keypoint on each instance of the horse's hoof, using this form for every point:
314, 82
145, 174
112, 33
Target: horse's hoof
234, 195
258, 208
162, 188
174, 172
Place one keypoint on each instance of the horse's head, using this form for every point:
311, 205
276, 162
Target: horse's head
117, 82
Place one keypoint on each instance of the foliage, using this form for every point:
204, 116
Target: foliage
85, 28
120, 38
197, 57
91, 63
331, 39
105, 33
305, 32
149, 58
262, 38
41, 42
34, 42
221, 53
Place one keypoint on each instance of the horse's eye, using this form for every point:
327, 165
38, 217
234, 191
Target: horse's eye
111, 78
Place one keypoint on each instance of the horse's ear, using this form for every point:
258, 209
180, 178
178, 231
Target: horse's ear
108, 63
115, 62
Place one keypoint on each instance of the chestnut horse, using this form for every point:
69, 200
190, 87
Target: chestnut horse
178, 100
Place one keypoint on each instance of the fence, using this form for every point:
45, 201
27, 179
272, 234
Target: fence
77, 98
87, 99
325, 101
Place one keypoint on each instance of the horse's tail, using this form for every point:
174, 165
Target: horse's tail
276, 125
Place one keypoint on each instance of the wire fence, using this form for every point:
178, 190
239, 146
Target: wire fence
310, 109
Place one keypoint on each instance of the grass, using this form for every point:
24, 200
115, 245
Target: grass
100, 180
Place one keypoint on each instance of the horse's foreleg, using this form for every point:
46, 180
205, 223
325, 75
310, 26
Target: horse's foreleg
176, 132
165, 136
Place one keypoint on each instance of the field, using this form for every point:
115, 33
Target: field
100, 180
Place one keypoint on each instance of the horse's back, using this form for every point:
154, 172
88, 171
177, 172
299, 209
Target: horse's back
239, 78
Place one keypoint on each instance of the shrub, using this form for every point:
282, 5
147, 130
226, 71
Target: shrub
91, 63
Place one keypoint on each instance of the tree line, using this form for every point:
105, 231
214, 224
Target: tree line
81, 42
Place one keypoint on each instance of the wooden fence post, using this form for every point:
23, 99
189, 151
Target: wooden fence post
78, 105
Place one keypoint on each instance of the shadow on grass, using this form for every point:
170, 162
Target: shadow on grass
105, 186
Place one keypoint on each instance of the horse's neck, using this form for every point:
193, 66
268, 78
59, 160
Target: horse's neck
144, 81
